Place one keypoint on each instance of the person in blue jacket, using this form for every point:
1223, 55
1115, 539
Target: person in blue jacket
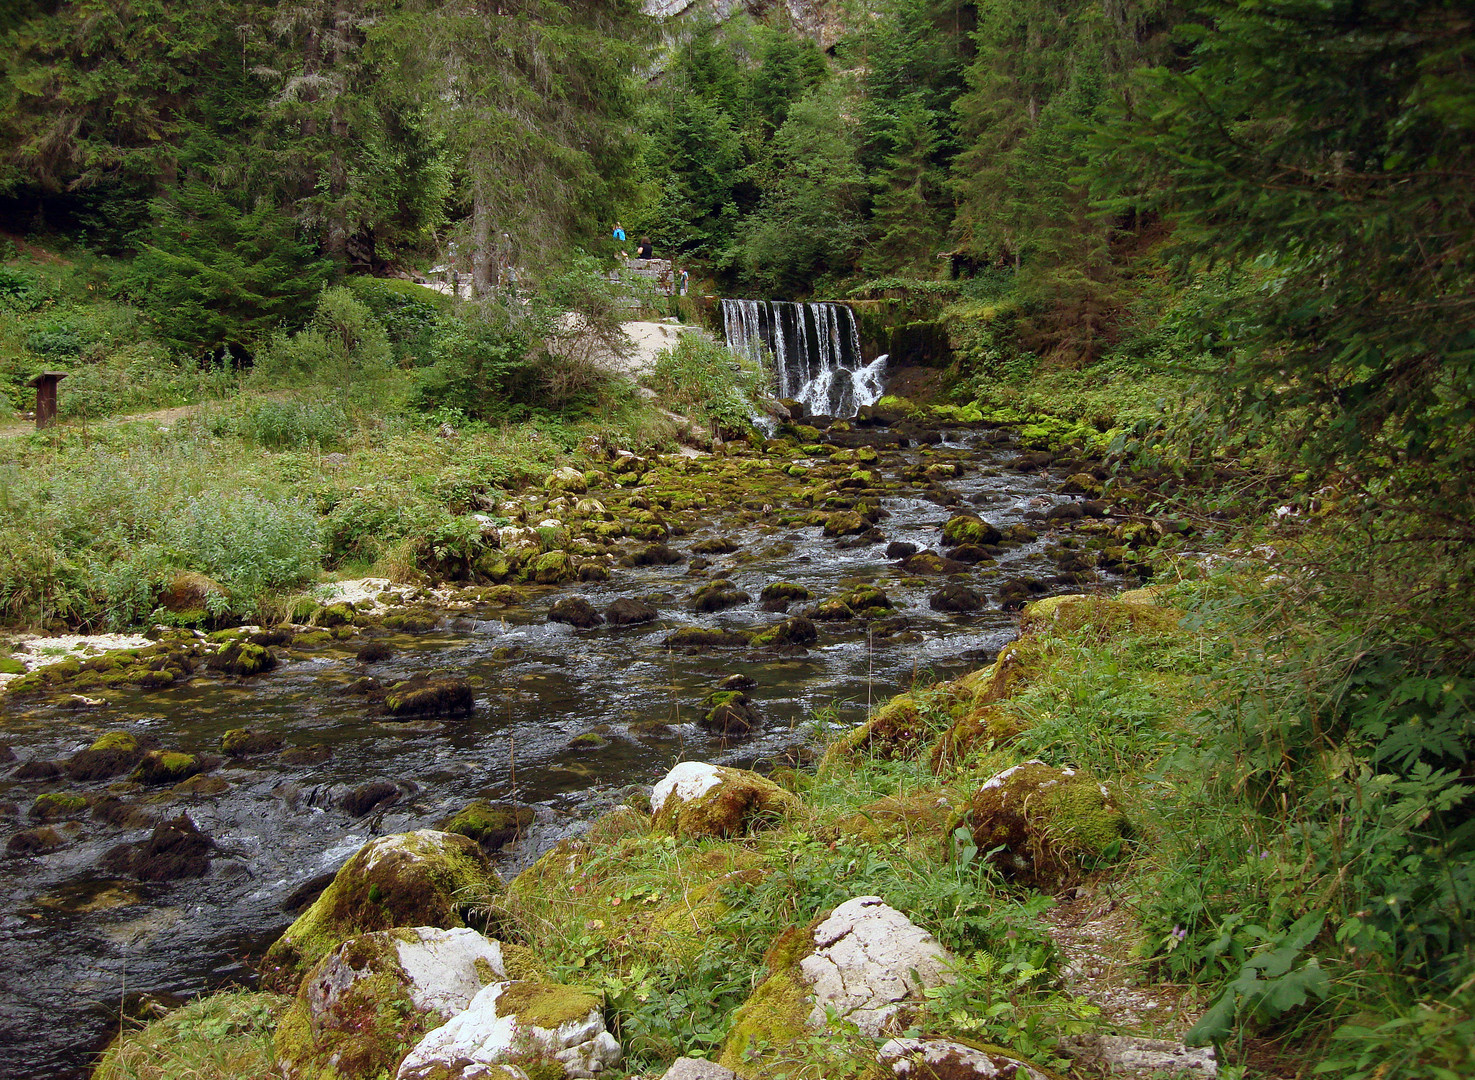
619, 232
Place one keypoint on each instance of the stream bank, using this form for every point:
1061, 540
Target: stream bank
562, 719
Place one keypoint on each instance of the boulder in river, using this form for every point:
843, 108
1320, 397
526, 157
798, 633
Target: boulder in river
490, 824
955, 597
111, 754
518, 1029
717, 596
423, 878
730, 712
794, 631
171, 766
371, 999
39, 841
969, 529
242, 658
243, 742
697, 799
575, 611
630, 611
702, 638
176, 849
423, 695
367, 797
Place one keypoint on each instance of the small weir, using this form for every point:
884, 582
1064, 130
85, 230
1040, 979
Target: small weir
815, 349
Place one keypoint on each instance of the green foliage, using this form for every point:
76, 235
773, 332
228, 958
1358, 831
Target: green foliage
411, 314
700, 377
809, 223
218, 275
275, 424
482, 368
1312, 147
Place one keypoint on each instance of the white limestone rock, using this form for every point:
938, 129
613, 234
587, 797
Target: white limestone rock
688, 781
697, 1069
869, 961
923, 1059
510, 1027
1134, 1056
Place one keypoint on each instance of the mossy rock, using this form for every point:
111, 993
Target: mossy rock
917, 812
9, 665
831, 610
551, 568
38, 841
898, 730
109, 756
243, 742
979, 728
430, 695
412, 620
1096, 618
366, 1004
58, 806
490, 824
845, 523
717, 596
795, 631
730, 712
1044, 824
175, 850
201, 785
696, 799
169, 767
331, 615
424, 878
867, 601
784, 590
242, 658
969, 529
702, 638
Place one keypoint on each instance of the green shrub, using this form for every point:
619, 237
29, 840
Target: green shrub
343, 346
483, 369
703, 378
247, 542
411, 315
282, 424
20, 291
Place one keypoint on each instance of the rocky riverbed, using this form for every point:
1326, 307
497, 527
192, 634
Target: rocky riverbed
170, 808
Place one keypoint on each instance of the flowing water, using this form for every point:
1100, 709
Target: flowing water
815, 350
76, 943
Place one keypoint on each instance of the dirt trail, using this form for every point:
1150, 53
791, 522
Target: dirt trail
13, 428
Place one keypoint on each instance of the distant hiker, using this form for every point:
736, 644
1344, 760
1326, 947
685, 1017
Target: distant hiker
681, 289
619, 232
644, 250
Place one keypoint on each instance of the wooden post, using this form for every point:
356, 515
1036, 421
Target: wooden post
45, 384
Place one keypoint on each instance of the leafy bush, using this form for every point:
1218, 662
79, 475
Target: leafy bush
282, 425
703, 378
247, 542
55, 339
411, 314
20, 291
482, 368
343, 346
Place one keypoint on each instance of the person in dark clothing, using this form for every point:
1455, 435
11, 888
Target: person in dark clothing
643, 251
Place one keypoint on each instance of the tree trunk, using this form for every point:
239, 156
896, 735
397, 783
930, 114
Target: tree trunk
482, 258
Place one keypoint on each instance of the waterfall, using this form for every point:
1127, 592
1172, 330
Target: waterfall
815, 349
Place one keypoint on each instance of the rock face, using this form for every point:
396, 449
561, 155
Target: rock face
927, 1059
697, 799
357, 1010
423, 878
865, 964
534, 1028
869, 962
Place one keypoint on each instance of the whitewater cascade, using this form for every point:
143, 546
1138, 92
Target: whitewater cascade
815, 348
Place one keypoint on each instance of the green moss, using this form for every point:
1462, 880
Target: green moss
117, 740
490, 824
422, 878
221, 1034
1044, 824
166, 767
550, 568
55, 805
898, 729
774, 1017
740, 802
1096, 618
546, 1005
9, 665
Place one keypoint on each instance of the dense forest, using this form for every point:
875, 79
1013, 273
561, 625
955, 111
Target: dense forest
1226, 246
